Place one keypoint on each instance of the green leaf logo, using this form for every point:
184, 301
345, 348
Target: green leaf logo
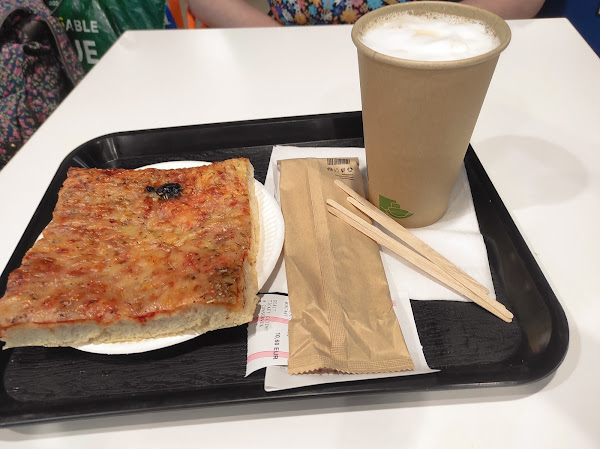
392, 208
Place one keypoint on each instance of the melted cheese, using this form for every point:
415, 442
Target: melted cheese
115, 250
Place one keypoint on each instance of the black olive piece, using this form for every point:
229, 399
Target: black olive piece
170, 190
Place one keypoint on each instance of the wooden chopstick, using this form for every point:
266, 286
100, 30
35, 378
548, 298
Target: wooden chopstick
418, 260
407, 237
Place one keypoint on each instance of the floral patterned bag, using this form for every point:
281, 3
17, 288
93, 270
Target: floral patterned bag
38, 68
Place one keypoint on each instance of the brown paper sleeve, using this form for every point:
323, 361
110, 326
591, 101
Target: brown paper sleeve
342, 314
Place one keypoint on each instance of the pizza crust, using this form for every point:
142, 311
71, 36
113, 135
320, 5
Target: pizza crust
190, 318
195, 320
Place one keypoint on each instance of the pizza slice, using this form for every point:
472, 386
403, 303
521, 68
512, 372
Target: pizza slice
136, 254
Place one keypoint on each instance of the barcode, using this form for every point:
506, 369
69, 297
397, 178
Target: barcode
336, 161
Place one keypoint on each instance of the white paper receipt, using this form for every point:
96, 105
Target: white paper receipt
268, 338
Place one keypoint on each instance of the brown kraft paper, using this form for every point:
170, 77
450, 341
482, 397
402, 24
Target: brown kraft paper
342, 314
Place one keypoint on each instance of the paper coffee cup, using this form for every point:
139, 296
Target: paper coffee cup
418, 116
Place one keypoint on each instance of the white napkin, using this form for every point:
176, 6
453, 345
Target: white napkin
456, 236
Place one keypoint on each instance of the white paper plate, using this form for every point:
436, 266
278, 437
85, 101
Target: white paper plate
269, 249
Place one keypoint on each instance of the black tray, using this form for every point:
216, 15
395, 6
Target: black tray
470, 347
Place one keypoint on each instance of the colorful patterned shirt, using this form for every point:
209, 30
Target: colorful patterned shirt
317, 12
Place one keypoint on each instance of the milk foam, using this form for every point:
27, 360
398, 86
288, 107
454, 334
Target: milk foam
435, 37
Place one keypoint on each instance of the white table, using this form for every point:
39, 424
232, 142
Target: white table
538, 138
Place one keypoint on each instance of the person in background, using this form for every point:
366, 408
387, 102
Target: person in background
239, 13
